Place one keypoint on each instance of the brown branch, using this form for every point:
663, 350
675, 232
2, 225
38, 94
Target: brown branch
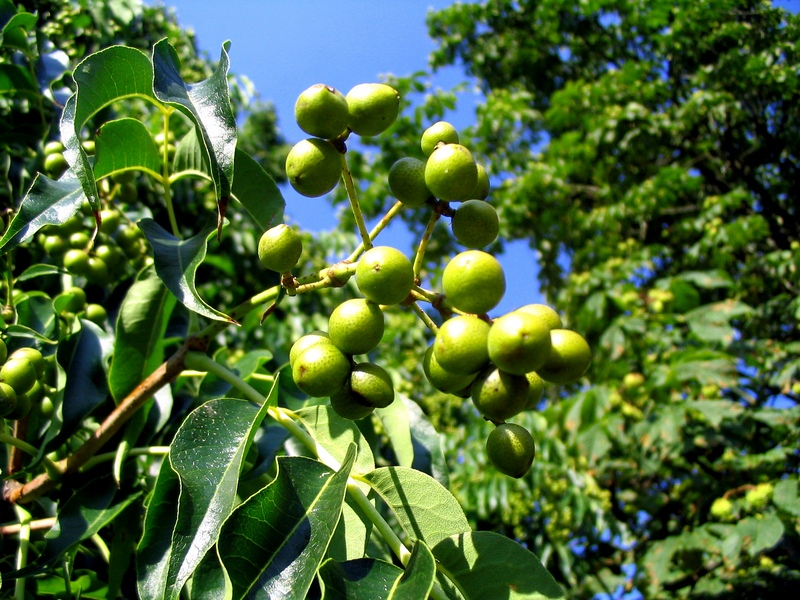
17, 492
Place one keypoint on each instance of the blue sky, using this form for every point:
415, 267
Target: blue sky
284, 47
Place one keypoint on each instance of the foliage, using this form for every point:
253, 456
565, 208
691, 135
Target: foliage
166, 452
648, 151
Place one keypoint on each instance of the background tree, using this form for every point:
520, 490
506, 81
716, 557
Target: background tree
649, 153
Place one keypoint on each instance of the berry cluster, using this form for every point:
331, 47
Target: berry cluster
21, 381
502, 364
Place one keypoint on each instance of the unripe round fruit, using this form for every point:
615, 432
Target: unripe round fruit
373, 108
721, 508
76, 261
545, 313
439, 132
280, 248
384, 275
88, 146
518, 343
33, 356
321, 111
481, 191
451, 172
313, 167
569, 357
474, 282
633, 381
356, 326
441, 379
79, 239
511, 449
535, 391
499, 395
110, 220
96, 313
346, 403
475, 224
19, 373
8, 399
97, 270
129, 237
3, 351
306, 341
71, 225
372, 384
53, 147
55, 245
55, 165
22, 408
460, 345
407, 182
321, 370
76, 299
112, 255
759, 496
128, 192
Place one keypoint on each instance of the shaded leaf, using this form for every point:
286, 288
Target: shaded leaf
125, 144
786, 498
395, 420
335, 434
288, 526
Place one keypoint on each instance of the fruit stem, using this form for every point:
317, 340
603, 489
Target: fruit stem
425, 318
380, 226
173, 222
423, 243
149, 451
347, 177
49, 465
22, 551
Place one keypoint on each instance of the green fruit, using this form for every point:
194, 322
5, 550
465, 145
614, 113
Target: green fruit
440, 132
55, 245
71, 225
33, 356
321, 370
460, 345
384, 275
113, 256
759, 496
55, 165
356, 326
347, 404
313, 167
129, 237
8, 399
79, 239
128, 175
569, 357
407, 182
372, 384
441, 379
110, 220
373, 108
475, 224
19, 373
76, 261
280, 248
88, 146
518, 343
3, 351
499, 395
22, 408
474, 282
544, 312
97, 271
160, 138
306, 341
721, 509
97, 314
536, 390
321, 111
481, 191
76, 299
451, 172
53, 147
128, 192
511, 449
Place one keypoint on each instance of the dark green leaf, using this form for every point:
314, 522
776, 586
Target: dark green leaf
395, 420
428, 454
484, 564
288, 525
257, 192
125, 144
176, 263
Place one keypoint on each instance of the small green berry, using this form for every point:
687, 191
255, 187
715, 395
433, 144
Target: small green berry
518, 343
313, 167
356, 326
511, 449
442, 379
568, 359
407, 182
384, 275
475, 224
321, 111
499, 395
440, 132
8, 399
460, 345
19, 373
481, 191
536, 390
280, 248
451, 172
474, 282
373, 108
33, 356
306, 341
544, 312
321, 370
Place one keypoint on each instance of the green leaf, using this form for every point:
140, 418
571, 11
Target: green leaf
47, 202
257, 192
288, 525
395, 420
351, 537
379, 580
125, 144
14, 26
176, 263
140, 328
425, 509
709, 280
484, 564
786, 498
17, 80
335, 434
428, 453
87, 511
208, 105
711, 322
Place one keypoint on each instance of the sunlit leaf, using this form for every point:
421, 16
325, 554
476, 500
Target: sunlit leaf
125, 144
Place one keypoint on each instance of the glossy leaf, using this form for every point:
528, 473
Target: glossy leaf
176, 263
484, 564
140, 328
425, 509
48, 202
288, 526
395, 420
379, 580
257, 192
208, 104
428, 454
125, 144
335, 434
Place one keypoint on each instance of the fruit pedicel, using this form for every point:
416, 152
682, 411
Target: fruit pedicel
502, 364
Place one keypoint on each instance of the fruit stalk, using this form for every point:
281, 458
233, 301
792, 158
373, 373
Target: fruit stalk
350, 187
423, 242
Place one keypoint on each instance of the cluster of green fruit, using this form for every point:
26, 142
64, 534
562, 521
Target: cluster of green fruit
21, 385
313, 166
103, 260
